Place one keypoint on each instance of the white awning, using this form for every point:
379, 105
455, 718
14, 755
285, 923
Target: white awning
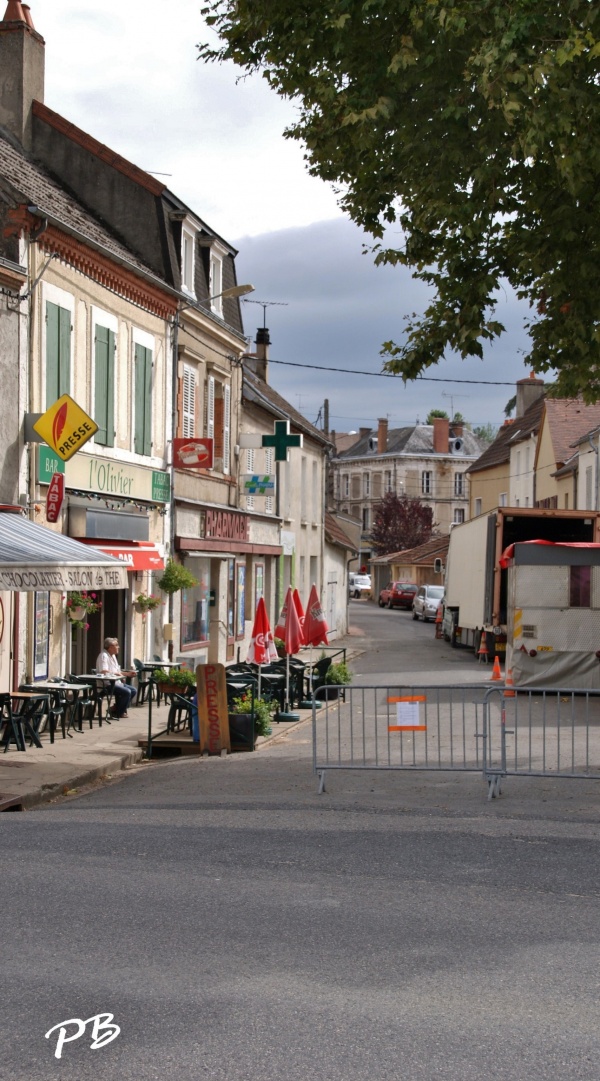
33, 558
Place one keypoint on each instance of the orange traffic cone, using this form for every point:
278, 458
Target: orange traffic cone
482, 651
438, 622
496, 673
509, 687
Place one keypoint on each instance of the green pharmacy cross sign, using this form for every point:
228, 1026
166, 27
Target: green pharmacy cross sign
259, 484
282, 440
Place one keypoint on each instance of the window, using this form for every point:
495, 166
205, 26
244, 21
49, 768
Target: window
346, 486
58, 352
459, 484
588, 488
216, 283
355, 486
387, 480
365, 519
426, 482
303, 491
142, 443
226, 428
195, 606
566, 500
315, 493
503, 499
580, 587
105, 346
366, 484
188, 244
478, 507
459, 515
209, 420
188, 412
250, 458
218, 422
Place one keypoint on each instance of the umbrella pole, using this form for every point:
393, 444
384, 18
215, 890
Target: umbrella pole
259, 672
287, 682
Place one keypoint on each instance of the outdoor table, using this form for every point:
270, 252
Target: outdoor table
74, 688
100, 680
20, 722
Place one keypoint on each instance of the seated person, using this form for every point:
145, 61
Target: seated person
107, 663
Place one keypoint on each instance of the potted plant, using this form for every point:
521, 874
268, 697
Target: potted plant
176, 577
337, 675
279, 646
79, 606
147, 602
175, 681
249, 718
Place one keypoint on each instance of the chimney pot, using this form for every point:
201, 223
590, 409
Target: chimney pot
28, 19
382, 435
14, 12
441, 435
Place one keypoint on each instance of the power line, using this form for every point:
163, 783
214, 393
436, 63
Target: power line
391, 375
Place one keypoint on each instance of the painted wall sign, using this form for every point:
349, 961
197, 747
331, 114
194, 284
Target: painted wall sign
213, 713
106, 476
258, 483
193, 453
61, 579
54, 497
65, 427
225, 525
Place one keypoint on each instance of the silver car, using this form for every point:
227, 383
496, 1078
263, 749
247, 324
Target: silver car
427, 602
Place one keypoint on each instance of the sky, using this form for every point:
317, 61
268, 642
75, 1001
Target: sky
126, 72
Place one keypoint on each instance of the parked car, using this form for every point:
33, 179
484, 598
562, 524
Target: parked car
427, 602
398, 595
360, 585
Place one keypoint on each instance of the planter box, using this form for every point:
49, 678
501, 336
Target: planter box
176, 688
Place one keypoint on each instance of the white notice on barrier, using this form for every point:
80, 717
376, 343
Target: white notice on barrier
408, 714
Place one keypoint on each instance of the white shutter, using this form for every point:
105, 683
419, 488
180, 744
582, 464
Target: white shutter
250, 454
188, 426
269, 501
210, 407
226, 428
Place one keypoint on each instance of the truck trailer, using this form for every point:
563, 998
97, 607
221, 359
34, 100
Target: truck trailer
477, 601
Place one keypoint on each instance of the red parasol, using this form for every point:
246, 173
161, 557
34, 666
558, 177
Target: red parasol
288, 625
262, 647
299, 610
315, 627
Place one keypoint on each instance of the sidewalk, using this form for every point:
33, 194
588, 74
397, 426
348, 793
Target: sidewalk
37, 776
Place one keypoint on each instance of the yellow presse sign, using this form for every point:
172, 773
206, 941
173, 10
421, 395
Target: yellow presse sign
65, 427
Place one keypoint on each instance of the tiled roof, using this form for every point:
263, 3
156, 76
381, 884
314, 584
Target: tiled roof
569, 420
424, 553
27, 181
257, 391
497, 453
529, 423
335, 533
344, 440
416, 439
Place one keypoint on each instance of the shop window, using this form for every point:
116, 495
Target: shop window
195, 607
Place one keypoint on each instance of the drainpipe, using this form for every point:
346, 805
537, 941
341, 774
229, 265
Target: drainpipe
597, 478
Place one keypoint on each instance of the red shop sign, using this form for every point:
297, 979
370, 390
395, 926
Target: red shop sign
193, 453
54, 499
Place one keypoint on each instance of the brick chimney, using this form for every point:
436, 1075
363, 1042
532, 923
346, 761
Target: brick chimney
22, 64
528, 390
441, 435
382, 435
457, 429
258, 362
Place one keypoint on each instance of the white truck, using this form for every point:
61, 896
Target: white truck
476, 600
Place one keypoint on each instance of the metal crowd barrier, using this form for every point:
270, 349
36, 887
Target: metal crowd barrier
467, 728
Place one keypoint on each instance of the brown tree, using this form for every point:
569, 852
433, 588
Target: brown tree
399, 523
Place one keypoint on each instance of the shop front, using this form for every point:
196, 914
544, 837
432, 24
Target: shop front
234, 567
118, 508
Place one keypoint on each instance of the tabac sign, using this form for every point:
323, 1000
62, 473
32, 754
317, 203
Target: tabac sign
65, 427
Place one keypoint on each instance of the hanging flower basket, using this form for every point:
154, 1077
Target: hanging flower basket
147, 602
81, 605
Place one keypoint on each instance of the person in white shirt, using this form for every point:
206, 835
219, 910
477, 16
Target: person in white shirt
108, 664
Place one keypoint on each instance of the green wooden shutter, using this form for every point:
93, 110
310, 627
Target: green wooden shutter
143, 400
104, 400
58, 352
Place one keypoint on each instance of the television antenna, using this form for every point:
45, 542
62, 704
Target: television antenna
267, 304
445, 394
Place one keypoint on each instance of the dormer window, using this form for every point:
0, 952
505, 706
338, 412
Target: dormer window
216, 282
188, 248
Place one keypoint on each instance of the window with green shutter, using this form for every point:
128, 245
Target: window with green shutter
58, 352
143, 400
104, 397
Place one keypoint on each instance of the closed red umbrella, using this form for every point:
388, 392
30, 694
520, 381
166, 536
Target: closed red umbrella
315, 628
289, 630
262, 647
299, 609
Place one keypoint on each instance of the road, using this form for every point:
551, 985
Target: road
240, 927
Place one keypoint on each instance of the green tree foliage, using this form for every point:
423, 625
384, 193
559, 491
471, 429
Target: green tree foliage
474, 126
400, 522
486, 432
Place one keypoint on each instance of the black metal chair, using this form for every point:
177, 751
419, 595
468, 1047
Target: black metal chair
82, 706
180, 714
144, 683
11, 724
318, 673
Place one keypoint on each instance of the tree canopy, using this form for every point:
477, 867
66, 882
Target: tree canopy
400, 522
470, 126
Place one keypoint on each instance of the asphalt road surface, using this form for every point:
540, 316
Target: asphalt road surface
240, 927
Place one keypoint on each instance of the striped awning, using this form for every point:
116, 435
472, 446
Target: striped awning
33, 558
